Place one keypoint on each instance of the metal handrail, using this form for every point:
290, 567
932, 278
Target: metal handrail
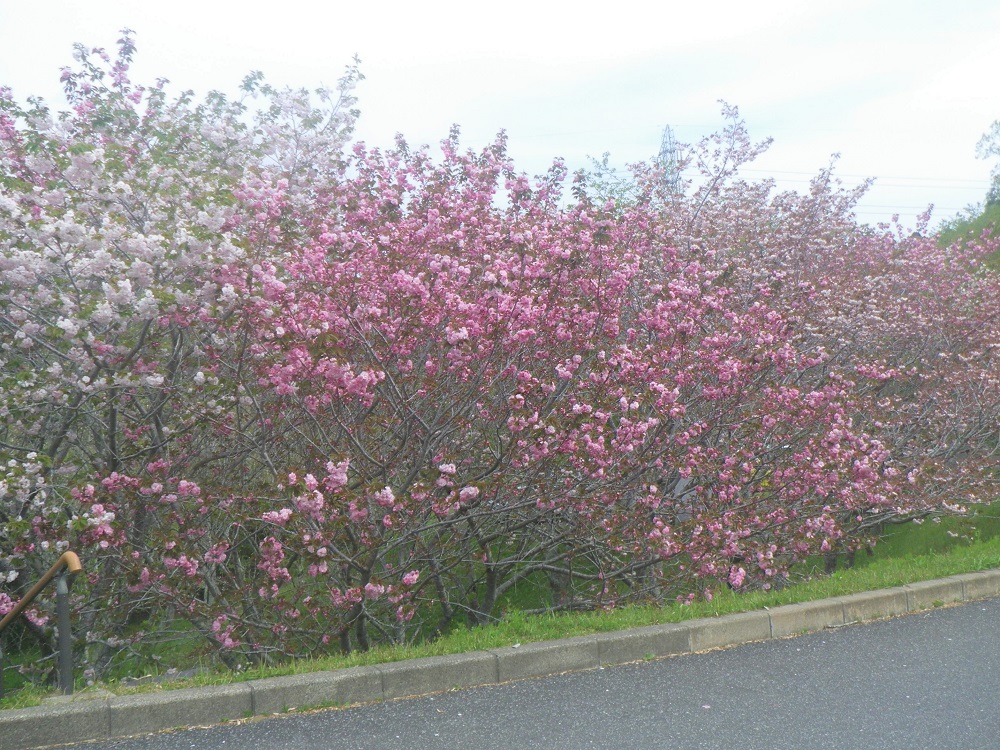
64, 570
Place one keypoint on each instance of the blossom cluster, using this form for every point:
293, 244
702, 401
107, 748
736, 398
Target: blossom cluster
304, 394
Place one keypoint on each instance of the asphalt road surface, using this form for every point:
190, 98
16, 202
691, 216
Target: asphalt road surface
924, 681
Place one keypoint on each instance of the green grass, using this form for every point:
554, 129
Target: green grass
969, 225
907, 554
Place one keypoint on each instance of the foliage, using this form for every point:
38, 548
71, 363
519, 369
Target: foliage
989, 146
302, 397
976, 224
979, 222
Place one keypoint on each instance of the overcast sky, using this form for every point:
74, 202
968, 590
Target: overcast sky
901, 89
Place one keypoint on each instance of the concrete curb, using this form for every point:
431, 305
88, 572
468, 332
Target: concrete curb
109, 717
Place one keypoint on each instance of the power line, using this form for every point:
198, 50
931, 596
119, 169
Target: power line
970, 182
936, 183
879, 184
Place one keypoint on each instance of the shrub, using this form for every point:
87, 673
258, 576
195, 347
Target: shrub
300, 397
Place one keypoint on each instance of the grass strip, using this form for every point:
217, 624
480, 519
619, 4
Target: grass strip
877, 573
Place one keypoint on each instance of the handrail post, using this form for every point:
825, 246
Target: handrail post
65, 635
65, 568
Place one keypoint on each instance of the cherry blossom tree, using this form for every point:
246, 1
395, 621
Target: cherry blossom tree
300, 395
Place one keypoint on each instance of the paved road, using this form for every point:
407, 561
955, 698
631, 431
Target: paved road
924, 681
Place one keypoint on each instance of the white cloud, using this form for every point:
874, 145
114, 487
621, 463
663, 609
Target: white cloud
900, 88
